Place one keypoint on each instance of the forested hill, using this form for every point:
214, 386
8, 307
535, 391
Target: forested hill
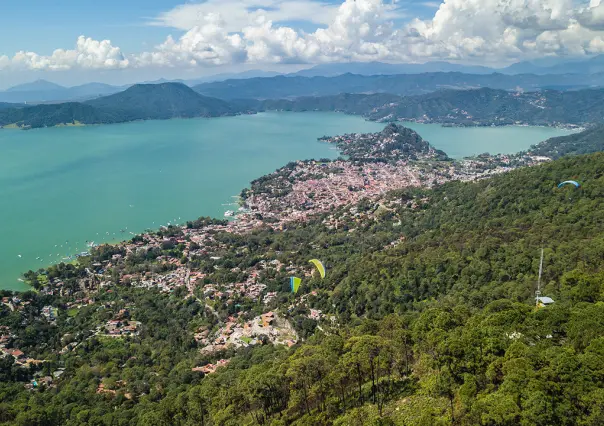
345, 102
4, 105
394, 143
139, 102
161, 101
459, 107
401, 84
431, 294
588, 141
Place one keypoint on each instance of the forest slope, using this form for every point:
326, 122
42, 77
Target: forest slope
458, 107
139, 102
588, 141
432, 297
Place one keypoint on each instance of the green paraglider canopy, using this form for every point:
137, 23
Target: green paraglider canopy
319, 266
569, 182
294, 284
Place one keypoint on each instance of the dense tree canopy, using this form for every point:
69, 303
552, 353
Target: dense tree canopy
431, 319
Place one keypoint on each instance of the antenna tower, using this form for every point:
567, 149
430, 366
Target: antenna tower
538, 292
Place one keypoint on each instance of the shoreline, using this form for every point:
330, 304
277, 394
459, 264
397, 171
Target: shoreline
242, 202
385, 121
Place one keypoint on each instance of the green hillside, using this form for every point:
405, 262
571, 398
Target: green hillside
590, 140
54, 114
139, 102
458, 107
4, 105
438, 328
161, 101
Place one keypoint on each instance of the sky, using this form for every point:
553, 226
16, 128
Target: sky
73, 42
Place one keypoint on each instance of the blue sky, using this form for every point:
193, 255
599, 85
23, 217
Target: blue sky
43, 25
129, 40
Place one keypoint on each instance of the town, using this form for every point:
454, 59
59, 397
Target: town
183, 258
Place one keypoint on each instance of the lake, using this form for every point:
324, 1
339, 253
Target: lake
62, 187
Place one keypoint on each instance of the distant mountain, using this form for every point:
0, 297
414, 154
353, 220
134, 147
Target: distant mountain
381, 68
232, 76
35, 86
543, 66
43, 93
349, 103
593, 65
479, 107
216, 77
86, 91
497, 107
161, 101
281, 87
162, 80
139, 102
4, 105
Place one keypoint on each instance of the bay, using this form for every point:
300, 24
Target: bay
459, 142
62, 187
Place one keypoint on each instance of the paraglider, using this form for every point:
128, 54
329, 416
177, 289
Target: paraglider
569, 182
319, 265
294, 284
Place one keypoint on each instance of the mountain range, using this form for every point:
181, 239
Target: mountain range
42, 91
475, 107
478, 107
592, 65
381, 68
403, 79
585, 66
281, 87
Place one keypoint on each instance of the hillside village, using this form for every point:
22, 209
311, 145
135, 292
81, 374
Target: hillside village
293, 194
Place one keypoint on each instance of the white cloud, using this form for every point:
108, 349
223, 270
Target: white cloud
356, 32
224, 32
88, 54
4, 62
593, 16
505, 30
494, 31
242, 13
207, 44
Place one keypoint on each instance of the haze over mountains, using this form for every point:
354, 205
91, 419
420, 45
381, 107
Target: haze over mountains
41, 91
402, 79
292, 86
449, 94
400, 84
590, 65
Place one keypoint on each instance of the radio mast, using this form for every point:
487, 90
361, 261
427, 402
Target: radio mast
538, 292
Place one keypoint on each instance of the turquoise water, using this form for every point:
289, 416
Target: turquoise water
459, 142
61, 187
